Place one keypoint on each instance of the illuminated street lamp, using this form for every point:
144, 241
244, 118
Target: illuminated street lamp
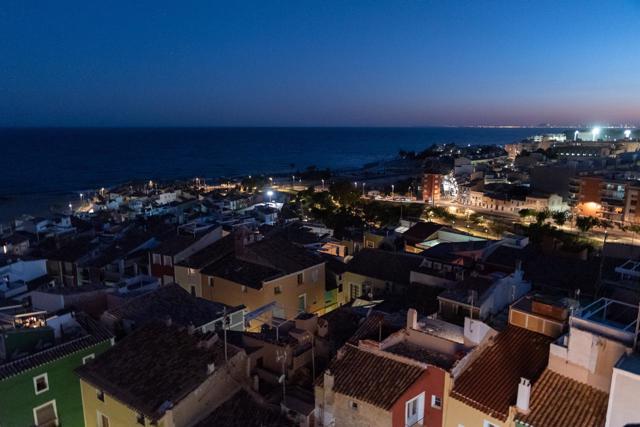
363, 184
595, 132
270, 194
322, 184
355, 184
393, 188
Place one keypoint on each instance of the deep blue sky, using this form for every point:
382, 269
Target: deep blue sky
127, 63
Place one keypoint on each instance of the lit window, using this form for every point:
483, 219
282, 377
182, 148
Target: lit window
41, 383
87, 358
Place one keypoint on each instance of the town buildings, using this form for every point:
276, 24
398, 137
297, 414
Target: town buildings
38, 355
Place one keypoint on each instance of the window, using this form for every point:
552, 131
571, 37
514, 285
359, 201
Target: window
140, 419
488, 424
193, 291
300, 279
436, 402
87, 358
277, 290
414, 410
314, 275
243, 288
192, 272
353, 405
211, 282
46, 415
103, 420
302, 302
100, 395
168, 261
370, 244
41, 383
157, 259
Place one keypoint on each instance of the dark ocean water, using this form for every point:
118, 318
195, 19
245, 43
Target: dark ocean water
42, 165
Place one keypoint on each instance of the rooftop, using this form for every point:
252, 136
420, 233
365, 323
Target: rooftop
558, 401
282, 254
209, 254
242, 410
92, 333
371, 378
490, 383
155, 365
240, 271
610, 318
169, 301
388, 266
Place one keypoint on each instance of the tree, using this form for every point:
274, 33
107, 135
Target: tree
560, 217
586, 223
542, 216
526, 213
344, 192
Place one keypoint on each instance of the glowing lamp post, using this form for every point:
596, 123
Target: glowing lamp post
270, 194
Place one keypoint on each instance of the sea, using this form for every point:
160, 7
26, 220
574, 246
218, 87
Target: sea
42, 167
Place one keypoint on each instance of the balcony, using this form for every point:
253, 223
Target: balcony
609, 318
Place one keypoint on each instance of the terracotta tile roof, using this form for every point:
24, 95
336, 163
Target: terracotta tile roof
280, 253
96, 334
374, 379
376, 327
490, 383
240, 271
210, 254
154, 365
170, 301
558, 401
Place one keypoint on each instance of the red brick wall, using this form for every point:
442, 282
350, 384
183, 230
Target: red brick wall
431, 382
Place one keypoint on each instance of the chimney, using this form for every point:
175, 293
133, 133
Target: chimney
329, 381
412, 319
524, 394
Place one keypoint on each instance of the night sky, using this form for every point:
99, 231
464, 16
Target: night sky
324, 63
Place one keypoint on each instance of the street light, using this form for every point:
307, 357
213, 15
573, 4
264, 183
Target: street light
363, 184
322, 184
595, 132
270, 194
393, 187
355, 184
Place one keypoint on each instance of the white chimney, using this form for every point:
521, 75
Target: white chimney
524, 394
412, 319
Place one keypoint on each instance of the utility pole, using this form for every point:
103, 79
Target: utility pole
281, 356
224, 329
